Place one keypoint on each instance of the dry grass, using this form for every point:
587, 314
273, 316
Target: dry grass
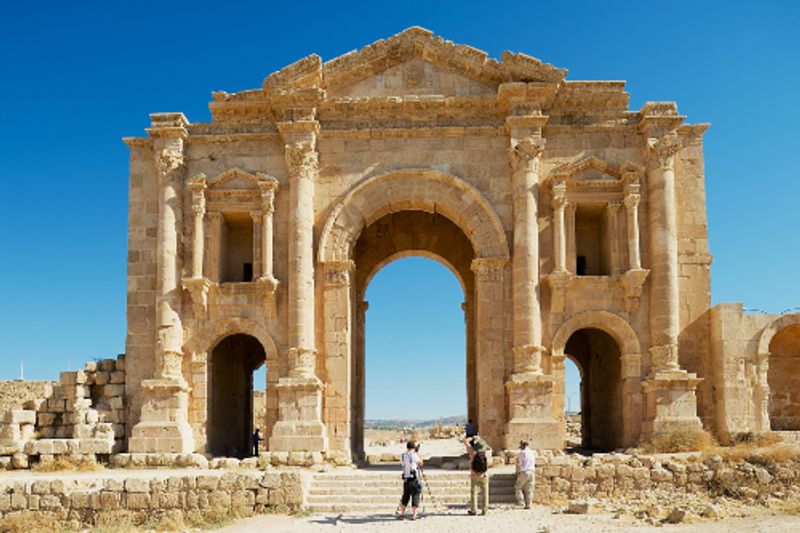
679, 441
32, 522
65, 464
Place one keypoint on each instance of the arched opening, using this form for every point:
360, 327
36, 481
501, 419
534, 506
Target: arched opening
417, 369
598, 357
232, 364
573, 398
783, 378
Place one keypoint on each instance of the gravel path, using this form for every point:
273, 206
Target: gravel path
508, 520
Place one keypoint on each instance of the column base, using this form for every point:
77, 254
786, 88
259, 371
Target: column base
299, 426
670, 403
164, 426
530, 408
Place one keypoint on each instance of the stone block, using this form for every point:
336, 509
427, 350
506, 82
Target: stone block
138, 500
117, 378
137, 485
20, 416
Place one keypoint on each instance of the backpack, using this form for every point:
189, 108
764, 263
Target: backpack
479, 463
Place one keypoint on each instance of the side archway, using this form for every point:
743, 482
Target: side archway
777, 395
223, 356
608, 350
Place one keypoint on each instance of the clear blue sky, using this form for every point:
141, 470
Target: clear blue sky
78, 76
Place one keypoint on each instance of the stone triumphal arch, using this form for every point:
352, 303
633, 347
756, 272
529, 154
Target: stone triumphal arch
575, 225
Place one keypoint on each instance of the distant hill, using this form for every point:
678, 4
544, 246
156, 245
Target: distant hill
380, 423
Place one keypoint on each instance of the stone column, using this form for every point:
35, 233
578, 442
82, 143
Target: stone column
529, 392
669, 392
559, 227
300, 424
525, 157
664, 295
198, 188
632, 199
268, 186
163, 425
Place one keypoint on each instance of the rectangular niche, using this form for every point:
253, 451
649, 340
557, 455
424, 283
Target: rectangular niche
236, 248
592, 241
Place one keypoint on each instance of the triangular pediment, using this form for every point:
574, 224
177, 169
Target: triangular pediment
406, 59
587, 169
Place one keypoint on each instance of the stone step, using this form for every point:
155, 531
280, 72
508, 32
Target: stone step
358, 499
327, 491
322, 488
387, 508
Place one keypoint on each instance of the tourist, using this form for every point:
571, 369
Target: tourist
412, 485
256, 439
526, 463
470, 428
477, 448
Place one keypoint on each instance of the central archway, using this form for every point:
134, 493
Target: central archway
412, 212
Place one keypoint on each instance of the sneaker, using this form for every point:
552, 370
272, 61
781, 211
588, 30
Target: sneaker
471, 512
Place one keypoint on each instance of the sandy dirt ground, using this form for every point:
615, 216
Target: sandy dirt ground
539, 519
384, 441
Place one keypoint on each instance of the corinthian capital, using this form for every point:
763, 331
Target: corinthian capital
302, 159
169, 161
526, 154
559, 194
267, 185
661, 151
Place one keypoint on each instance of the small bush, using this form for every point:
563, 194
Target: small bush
679, 441
65, 464
32, 522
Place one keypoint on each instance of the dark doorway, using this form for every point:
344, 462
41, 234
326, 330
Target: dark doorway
598, 356
230, 402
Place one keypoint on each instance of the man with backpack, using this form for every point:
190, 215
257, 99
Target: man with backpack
412, 485
477, 448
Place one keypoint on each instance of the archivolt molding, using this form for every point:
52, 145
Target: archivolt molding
612, 324
213, 332
417, 190
772, 329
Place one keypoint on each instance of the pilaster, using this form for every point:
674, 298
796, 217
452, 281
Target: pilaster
163, 425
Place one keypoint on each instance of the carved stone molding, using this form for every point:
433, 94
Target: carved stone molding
198, 290
526, 154
559, 194
528, 359
489, 269
338, 273
302, 362
267, 186
632, 282
169, 161
661, 151
302, 160
558, 282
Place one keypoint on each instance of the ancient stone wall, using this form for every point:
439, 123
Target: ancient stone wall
83, 499
80, 417
15, 394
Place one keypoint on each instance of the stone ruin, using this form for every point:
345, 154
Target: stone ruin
575, 225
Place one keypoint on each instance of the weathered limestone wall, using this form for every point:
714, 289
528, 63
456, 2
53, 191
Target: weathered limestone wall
83, 498
736, 379
694, 268
140, 343
15, 394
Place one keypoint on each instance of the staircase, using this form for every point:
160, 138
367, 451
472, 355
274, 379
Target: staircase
379, 491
